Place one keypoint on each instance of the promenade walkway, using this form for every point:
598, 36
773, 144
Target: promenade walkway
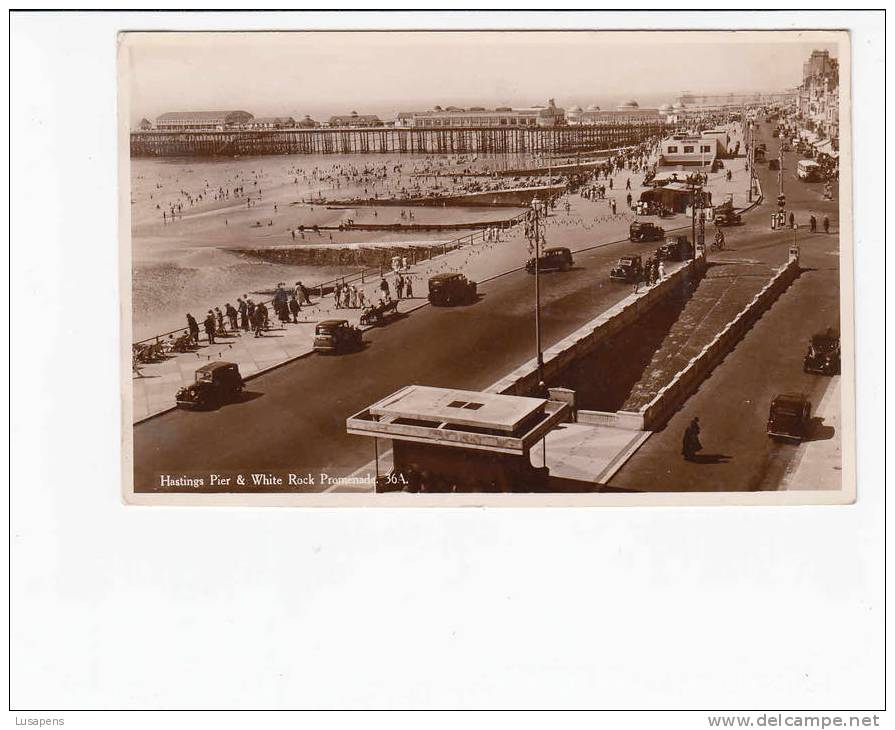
585, 225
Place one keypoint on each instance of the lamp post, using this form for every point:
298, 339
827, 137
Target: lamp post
536, 236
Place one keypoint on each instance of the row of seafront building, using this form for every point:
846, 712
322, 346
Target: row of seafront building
538, 116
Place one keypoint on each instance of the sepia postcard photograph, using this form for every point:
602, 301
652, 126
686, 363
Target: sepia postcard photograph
486, 268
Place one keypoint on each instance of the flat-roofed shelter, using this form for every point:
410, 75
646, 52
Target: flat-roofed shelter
445, 439
212, 120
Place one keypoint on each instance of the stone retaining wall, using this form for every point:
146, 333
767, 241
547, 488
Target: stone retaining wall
524, 380
655, 413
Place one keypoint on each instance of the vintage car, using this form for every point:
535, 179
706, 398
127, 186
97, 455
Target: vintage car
645, 231
216, 383
678, 248
451, 288
773, 164
551, 259
789, 417
824, 355
726, 215
333, 336
760, 155
628, 268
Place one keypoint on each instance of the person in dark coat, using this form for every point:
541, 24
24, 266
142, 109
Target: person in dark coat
691, 440
826, 224
812, 222
209, 327
294, 308
258, 321
193, 327
243, 314
792, 220
231, 316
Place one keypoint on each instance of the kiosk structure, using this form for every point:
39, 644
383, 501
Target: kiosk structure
444, 439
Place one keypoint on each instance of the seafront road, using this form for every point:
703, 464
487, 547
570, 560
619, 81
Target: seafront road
732, 404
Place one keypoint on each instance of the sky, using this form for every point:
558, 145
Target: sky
326, 73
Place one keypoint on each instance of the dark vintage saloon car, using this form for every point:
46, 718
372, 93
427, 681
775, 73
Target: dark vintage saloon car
678, 248
333, 336
645, 231
789, 417
726, 215
774, 164
628, 268
824, 354
451, 288
216, 383
552, 259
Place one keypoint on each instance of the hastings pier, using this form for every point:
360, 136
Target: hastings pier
498, 140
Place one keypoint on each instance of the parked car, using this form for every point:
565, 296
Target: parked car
773, 164
645, 231
824, 355
215, 383
628, 268
551, 259
451, 288
334, 336
789, 417
678, 248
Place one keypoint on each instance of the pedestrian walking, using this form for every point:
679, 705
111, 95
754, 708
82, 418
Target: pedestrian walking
792, 220
337, 295
826, 224
628, 184
383, 285
399, 287
294, 308
408, 288
629, 199
258, 321
209, 327
243, 310
219, 320
691, 442
193, 327
661, 271
231, 316
301, 293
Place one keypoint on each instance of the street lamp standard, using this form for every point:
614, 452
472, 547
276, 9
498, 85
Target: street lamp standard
536, 236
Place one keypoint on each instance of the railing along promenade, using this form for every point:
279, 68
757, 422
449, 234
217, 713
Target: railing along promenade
322, 288
454, 140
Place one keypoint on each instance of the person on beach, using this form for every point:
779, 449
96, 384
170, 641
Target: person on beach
209, 327
193, 327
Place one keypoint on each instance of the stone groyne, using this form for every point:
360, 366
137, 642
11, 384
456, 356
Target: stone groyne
357, 255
